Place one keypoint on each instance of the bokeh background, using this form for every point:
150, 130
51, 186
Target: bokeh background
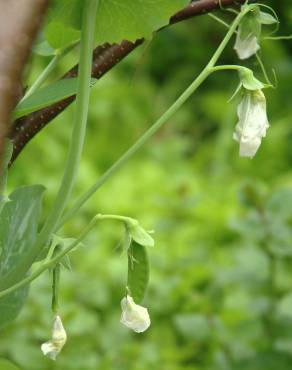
220, 295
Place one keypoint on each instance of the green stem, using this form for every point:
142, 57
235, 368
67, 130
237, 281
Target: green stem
45, 73
42, 77
55, 288
160, 122
114, 217
75, 148
49, 263
226, 67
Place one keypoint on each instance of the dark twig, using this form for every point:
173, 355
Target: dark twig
104, 58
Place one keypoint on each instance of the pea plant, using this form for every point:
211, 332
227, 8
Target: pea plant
31, 246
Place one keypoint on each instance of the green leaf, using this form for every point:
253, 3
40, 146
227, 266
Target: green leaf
18, 229
48, 95
18, 224
11, 305
118, 20
68, 12
60, 36
7, 365
138, 271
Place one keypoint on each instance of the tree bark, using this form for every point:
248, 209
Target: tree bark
105, 57
19, 23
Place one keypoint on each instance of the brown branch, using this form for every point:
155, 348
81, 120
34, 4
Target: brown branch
104, 58
19, 23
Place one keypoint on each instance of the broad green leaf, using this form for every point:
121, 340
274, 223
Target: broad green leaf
7, 365
18, 224
118, 20
138, 271
48, 95
60, 36
18, 229
68, 12
11, 305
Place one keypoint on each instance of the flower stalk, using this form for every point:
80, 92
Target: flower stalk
160, 122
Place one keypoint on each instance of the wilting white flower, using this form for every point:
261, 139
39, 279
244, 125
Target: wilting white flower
53, 347
134, 316
253, 122
246, 46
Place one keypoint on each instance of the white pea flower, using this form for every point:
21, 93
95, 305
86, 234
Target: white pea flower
249, 32
134, 316
246, 46
54, 346
253, 122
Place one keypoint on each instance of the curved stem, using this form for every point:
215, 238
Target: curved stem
226, 67
159, 123
49, 263
75, 148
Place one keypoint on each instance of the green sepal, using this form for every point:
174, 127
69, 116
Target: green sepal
138, 234
249, 81
266, 18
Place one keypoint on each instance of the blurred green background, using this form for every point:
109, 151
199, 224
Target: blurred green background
220, 295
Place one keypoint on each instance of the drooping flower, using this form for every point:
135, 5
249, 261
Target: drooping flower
249, 32
253, 122
54, 346
134, 316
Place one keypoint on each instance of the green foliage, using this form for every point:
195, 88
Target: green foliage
48, 95
138, 271
7, 365
59, 36
116, 20
214, 300
132, 20
19, 220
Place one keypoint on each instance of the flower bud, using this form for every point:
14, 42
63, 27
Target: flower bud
252, 124
54, 346
134, 316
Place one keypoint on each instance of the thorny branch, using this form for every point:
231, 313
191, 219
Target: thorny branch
105, 57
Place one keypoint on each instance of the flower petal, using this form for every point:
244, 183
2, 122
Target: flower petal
54, 346
134, 316
252, 124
